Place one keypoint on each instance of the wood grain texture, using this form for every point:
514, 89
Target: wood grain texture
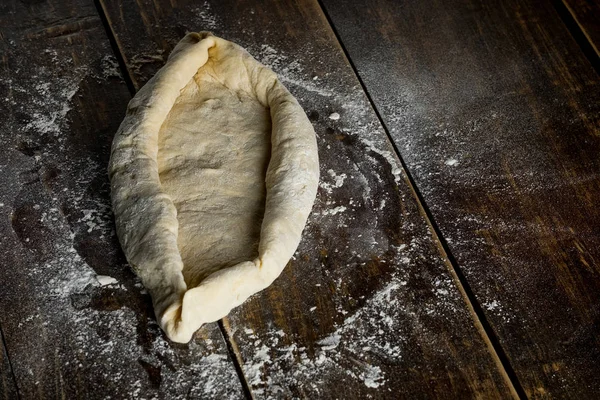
69, 335
496, 113
367, 307
587, 15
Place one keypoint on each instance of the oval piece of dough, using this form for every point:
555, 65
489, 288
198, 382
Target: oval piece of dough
213, 173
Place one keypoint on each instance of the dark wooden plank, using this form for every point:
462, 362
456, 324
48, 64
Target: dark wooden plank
8, 388
496, 112
586, 14
367, 308
69, 332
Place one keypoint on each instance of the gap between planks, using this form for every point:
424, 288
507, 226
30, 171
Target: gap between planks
116, 47
578, 33
236, 356
9, 362
481, 323
223, 324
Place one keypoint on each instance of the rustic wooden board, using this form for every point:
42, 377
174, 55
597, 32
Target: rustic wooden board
8, 389
496, 112
586, 14
367, 307
69, 335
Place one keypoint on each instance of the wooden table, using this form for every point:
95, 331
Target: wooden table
454, 248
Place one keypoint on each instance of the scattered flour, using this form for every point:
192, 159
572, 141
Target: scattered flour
330, 342
110, 67
388, 155
51, 105
373, 377
496, 307
337, 181
105, 280
290, 72
205, 19
369, 336
334, 211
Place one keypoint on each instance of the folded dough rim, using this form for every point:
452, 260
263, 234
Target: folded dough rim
146, 218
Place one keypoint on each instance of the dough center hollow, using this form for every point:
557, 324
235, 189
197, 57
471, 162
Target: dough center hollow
213, 152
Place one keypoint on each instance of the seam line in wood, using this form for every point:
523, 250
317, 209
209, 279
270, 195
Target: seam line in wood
578, 33
479, 319
10, 366
116, 47
236, 357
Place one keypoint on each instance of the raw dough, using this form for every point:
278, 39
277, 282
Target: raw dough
213, 172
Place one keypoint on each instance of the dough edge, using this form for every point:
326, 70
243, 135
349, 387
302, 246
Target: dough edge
146, 218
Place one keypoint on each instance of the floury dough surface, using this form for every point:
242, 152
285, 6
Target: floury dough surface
213, 174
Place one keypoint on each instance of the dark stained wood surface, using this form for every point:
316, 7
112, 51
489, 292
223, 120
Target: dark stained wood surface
367, 308
496, 112
586, 14
69, 333
8, 389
